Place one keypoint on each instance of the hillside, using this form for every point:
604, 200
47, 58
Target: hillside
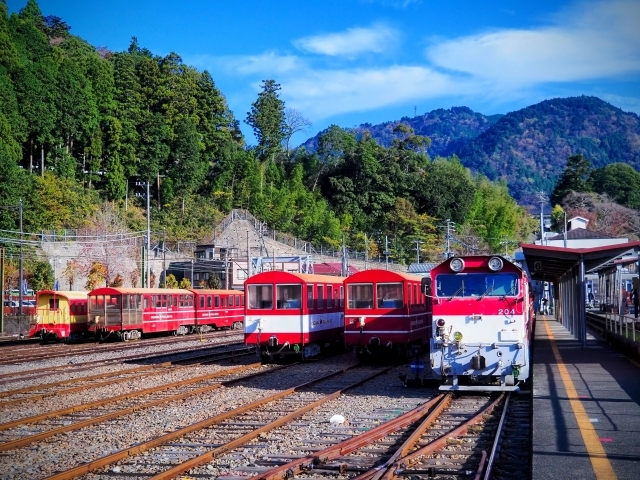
448, 129
529, 147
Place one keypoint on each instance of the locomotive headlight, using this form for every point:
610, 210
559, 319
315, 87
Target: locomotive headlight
495, 264
440, 322
457, 336
456, 264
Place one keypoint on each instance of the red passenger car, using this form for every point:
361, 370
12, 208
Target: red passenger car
60, 315
127, 313
293, 313
386, 312
219, 309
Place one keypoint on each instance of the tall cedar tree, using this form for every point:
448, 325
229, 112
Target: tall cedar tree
268, 120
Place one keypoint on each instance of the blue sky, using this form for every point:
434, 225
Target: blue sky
348, 62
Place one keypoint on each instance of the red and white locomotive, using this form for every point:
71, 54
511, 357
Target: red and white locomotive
293, 313
386, 312
481, 324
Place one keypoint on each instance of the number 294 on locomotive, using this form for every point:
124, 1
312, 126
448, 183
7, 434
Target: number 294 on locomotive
481, 324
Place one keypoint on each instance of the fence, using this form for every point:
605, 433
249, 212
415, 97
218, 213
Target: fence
624, 325
16, 325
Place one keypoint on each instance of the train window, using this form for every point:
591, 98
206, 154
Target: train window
72, 307
190, 300
260, 296
391, 295
113, 302
289, 296
329, 296
175, 300
54, 303
237, 300
201, 301
320, 299
341, 296
309, 296
217, 301
415, 294
242, 300
125, 302
360, 295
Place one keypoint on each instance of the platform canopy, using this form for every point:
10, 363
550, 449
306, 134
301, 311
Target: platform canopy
550, 263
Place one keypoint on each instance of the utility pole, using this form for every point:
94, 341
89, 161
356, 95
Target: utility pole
164, 256
541, 197
418, 243
148, 238
20, 266
366, 253
447, 238
386, 251
2, 289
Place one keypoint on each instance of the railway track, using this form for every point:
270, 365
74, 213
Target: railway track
78, 384
36, 352
445, 438
43, 371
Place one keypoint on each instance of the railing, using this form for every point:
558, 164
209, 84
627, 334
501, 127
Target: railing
624, 325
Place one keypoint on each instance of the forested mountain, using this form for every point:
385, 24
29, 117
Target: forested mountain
527, 148
448, 129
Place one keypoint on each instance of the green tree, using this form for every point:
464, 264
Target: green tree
41, 275
268, 120
574, 178
620, 181
186, 166
494, 215
171, 281
445, 190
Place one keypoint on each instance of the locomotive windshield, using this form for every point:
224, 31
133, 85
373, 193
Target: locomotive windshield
360, 295
477, 285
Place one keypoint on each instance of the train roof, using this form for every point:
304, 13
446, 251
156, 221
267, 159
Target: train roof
382, 275
213, 291
290, 276
152, 291
68, 294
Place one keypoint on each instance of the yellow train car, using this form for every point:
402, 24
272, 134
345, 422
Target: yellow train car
60, 315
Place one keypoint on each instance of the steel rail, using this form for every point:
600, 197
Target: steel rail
85, 423
399, 467
29, 357
347, 446
498, 440
42, 372
210, 455
142, 447
155, 370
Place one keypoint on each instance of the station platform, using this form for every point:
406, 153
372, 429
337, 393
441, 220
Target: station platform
586, 408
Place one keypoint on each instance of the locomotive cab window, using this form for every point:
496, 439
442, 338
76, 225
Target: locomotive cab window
477, 285
260, 296
360, 295
54, 303
391, 295
289, 296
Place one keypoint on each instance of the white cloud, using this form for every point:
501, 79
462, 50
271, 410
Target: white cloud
321, 94
603, 41
354, 41
264, 63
